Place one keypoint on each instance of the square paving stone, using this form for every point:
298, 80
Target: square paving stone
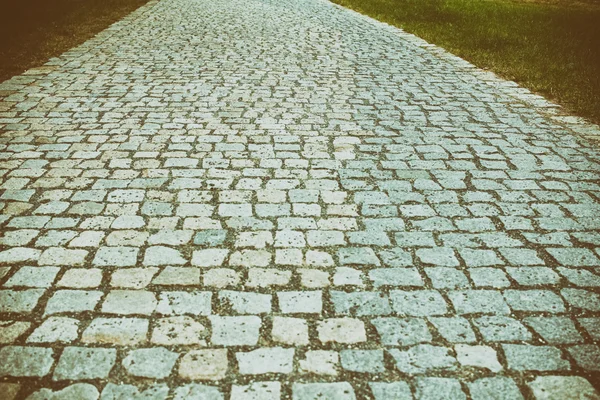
121, 392
154, 362
525, 357
128, 302
180, 330
116, 256
423, 358
501, 329
41, 277
402, 332
418, 303
323, 391
562, 387
478, 301
194, 391
341, 330
19, 301
554, 330
369, 361
439, 389
77, 363
257, 391
496, 388
208, 364
235, 331
72, 301
117, 331
390, 391
266, 361
19, 361
178, 303
300, 302
454, 329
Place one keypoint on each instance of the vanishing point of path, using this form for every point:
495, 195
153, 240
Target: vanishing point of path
283, 199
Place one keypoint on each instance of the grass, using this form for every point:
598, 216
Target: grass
551, 47
33, 31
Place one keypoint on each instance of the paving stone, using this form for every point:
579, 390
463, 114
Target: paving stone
208, 364
368, 361
501, 329
291, 331
265, 361
478, 356
84, 363
257, 391
320, 362
245, 302
177, 303
119, 331
454, 329
562, 387
554, 330
116, 257
122, 391
150, 363
266, 277
592, 326
583, 299
575, 257
81, 278
423, 358
235, 331
41, 277
61, 257
72, 301
402, 332
390, 391
395, 277
210, 237
357, 255
496, 388
161, 255
181, 330
221, 277
22, 301
439, 389
20, 361
587, 356
447, 278
437, 256
196, 391
323, 391
360, 303
55, 329
10, 331
180, 276
478, 301
83, 391
128, 302
348, 276
341, 330
523, 357
534, 300
418, 303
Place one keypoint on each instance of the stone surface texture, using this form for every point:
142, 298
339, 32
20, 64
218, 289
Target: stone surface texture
265, 199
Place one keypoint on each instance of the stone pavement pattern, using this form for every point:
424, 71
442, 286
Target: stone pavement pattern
267, 199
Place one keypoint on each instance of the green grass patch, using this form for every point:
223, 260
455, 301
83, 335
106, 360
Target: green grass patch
552, 48
33, 31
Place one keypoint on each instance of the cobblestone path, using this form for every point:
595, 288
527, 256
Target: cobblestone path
267, 199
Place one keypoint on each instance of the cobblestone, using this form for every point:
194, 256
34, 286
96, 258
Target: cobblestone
285, 199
